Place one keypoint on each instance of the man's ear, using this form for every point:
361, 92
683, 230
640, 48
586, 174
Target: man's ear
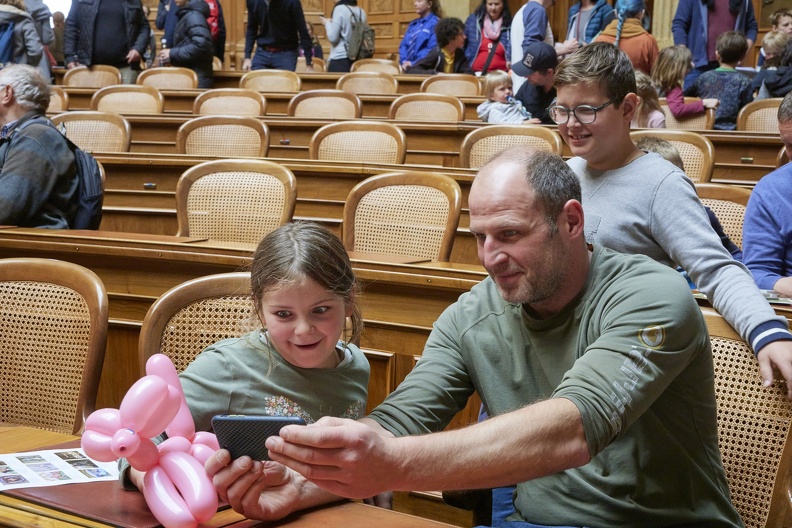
572, 218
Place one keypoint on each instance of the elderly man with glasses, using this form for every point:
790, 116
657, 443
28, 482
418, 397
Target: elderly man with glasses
637, 202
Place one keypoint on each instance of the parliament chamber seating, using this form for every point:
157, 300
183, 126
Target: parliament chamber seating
96, 76
230, 101
169, 78
360, 141
96, 131
368, 82
132, 98
696, 151
703, 121
229, 136
479, 145
325, 104
760, 116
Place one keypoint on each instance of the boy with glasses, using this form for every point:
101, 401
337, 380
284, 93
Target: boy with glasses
637, 202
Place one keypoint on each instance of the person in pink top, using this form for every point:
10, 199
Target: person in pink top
668, 73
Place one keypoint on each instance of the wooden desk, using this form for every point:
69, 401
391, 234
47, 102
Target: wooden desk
340, 515
400, 301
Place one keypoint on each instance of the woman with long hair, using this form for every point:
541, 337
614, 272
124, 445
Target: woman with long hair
338, 28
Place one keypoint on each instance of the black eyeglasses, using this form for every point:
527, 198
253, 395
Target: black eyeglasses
585, 114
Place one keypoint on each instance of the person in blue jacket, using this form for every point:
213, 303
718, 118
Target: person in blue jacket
419, 39
489, 24
587, 18
697, 26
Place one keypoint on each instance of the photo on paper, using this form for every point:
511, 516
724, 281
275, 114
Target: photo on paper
70, 455
43, 467
95, 473
8, 480
80, 464
30, 459
5, 468
55, 475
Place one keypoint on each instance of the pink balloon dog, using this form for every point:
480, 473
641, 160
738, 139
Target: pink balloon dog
177, 489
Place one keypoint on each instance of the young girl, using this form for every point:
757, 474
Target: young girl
500, 107
668, 73
295, 365
649, 114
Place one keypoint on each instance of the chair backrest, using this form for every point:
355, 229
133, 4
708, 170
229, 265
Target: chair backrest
728, 202
457, 84
217, 64
96, 131
128, 99
234, 200
59, 100
703, 121
358, 141
696, 150
368, 82
230, 101
377, 65
193, 315
232, 136
96, 76
403, 213
169, 78
274, 81
53, 323
482, 143
760, 116
781, 158
429, 107
753, 429
325, 104
318, 65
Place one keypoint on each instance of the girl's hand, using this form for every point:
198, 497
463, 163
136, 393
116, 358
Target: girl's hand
324, 20
711, 103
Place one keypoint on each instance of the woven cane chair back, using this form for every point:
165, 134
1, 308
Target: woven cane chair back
128, 99
427, 107
403, 213
377, 65
273, 81
169, 78
481, 144
760, 116
356, 141
696, 150
97, 76
96, 131
234, 200
231, 136
456, 84
375, 83
753, 429
59, 100
230, 101
193, 315
728, 202
325, 104
318, 65
703, 121
53, 323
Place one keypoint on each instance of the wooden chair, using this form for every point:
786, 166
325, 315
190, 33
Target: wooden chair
232, 136
230, 101
427, 107
53, 322
367, 82
781, 158
753, 429
96, 76
59, 100
728, 202
403, 213
456, 84
169, 78
193, 315
696, 151
359, 141
760, 116
325, 104
481, 144
273, 81
217, 64
96, 131
234, 200
128, 99
377, 65
703, 121
318, 65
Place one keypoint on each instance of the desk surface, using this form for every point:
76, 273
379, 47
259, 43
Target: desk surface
342, 515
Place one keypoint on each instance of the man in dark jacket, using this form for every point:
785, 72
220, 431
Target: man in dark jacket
192, 41
38, 179
449, 56
87, 42
276, 28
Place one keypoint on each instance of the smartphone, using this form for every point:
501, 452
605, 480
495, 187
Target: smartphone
245, 434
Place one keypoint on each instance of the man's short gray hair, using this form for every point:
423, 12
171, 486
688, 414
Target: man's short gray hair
785, 109
31, 90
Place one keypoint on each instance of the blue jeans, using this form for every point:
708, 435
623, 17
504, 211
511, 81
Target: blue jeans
274, 60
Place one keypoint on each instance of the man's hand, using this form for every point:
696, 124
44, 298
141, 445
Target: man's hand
566, 47
776, 355
164, 56
261, 490
344, 457
784, 286
246, 64
133, 56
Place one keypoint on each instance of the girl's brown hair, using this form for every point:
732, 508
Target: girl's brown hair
671, 66
648, 97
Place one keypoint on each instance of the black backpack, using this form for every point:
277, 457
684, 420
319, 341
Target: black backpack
361, 39
90, 183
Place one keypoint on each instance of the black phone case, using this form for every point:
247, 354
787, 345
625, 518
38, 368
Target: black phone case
245, 435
